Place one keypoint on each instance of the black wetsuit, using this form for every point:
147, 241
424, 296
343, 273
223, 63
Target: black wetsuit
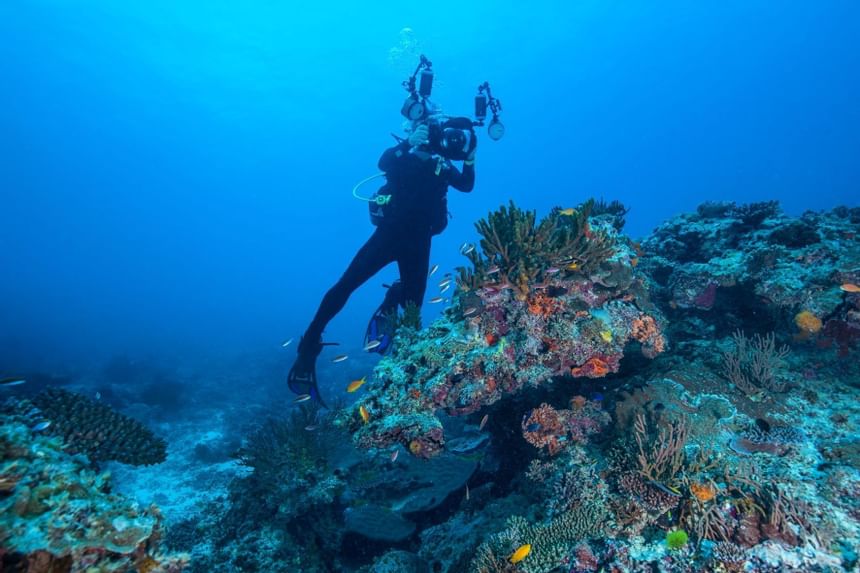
418, 210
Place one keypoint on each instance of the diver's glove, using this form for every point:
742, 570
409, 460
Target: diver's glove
420, 136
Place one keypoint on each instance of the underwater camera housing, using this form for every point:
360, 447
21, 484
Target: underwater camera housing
417, 108
451, 137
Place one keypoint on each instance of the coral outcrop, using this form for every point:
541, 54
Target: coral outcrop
543, 300
754, 261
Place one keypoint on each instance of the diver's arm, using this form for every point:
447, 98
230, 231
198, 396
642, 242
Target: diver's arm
462, 181
391, 155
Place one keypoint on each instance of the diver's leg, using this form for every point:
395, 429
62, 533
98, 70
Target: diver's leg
371, 258
413, 261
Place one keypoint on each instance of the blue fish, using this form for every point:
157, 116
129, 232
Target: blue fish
533, 427
41, 426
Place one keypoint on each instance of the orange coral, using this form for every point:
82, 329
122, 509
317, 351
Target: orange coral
542, 305
703, 491
593, 368
544, 427
807, 322
645, 330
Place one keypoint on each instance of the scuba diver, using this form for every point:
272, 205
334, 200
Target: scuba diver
407, 211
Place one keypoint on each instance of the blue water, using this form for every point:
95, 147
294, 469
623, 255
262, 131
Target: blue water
175, 176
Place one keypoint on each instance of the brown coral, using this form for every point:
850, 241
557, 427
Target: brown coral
98, 431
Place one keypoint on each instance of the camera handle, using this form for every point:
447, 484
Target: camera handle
409, 83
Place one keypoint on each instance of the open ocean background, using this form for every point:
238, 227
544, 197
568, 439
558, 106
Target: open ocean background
175, 176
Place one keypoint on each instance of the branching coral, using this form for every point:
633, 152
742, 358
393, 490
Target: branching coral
753, 364
96, 430
287, 459
551, 543
520, 251
661, 457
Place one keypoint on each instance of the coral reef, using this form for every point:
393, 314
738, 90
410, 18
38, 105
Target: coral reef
97, 431
56, 514
543, 424
752, 260
544, 300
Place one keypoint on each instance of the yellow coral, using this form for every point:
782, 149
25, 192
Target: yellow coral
807, 322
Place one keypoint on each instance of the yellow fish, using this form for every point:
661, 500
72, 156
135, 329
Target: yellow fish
606, 335
573, 266
365, 415
521, 553
850, 287
569, 213
356, 384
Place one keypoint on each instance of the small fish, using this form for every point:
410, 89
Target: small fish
493, 270
98, 395
470, 311
551, 271
444, 282
597, 397
573, 266
301, 398
569, 212
311, 428
41, 426
533, 427
394, 455
340, 358
433, 270
365, 415
287, 343
356, 384
606, 335
520, 554
445, 288
371, 345
436, 300
466, 248
7, 382
850, 287
483, 422
467, 492
665, 489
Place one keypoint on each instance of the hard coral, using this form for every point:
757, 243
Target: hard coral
519, 251
521, 317
98, 431
594, 367
807, 322
61, 516
546, 427
644, 329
